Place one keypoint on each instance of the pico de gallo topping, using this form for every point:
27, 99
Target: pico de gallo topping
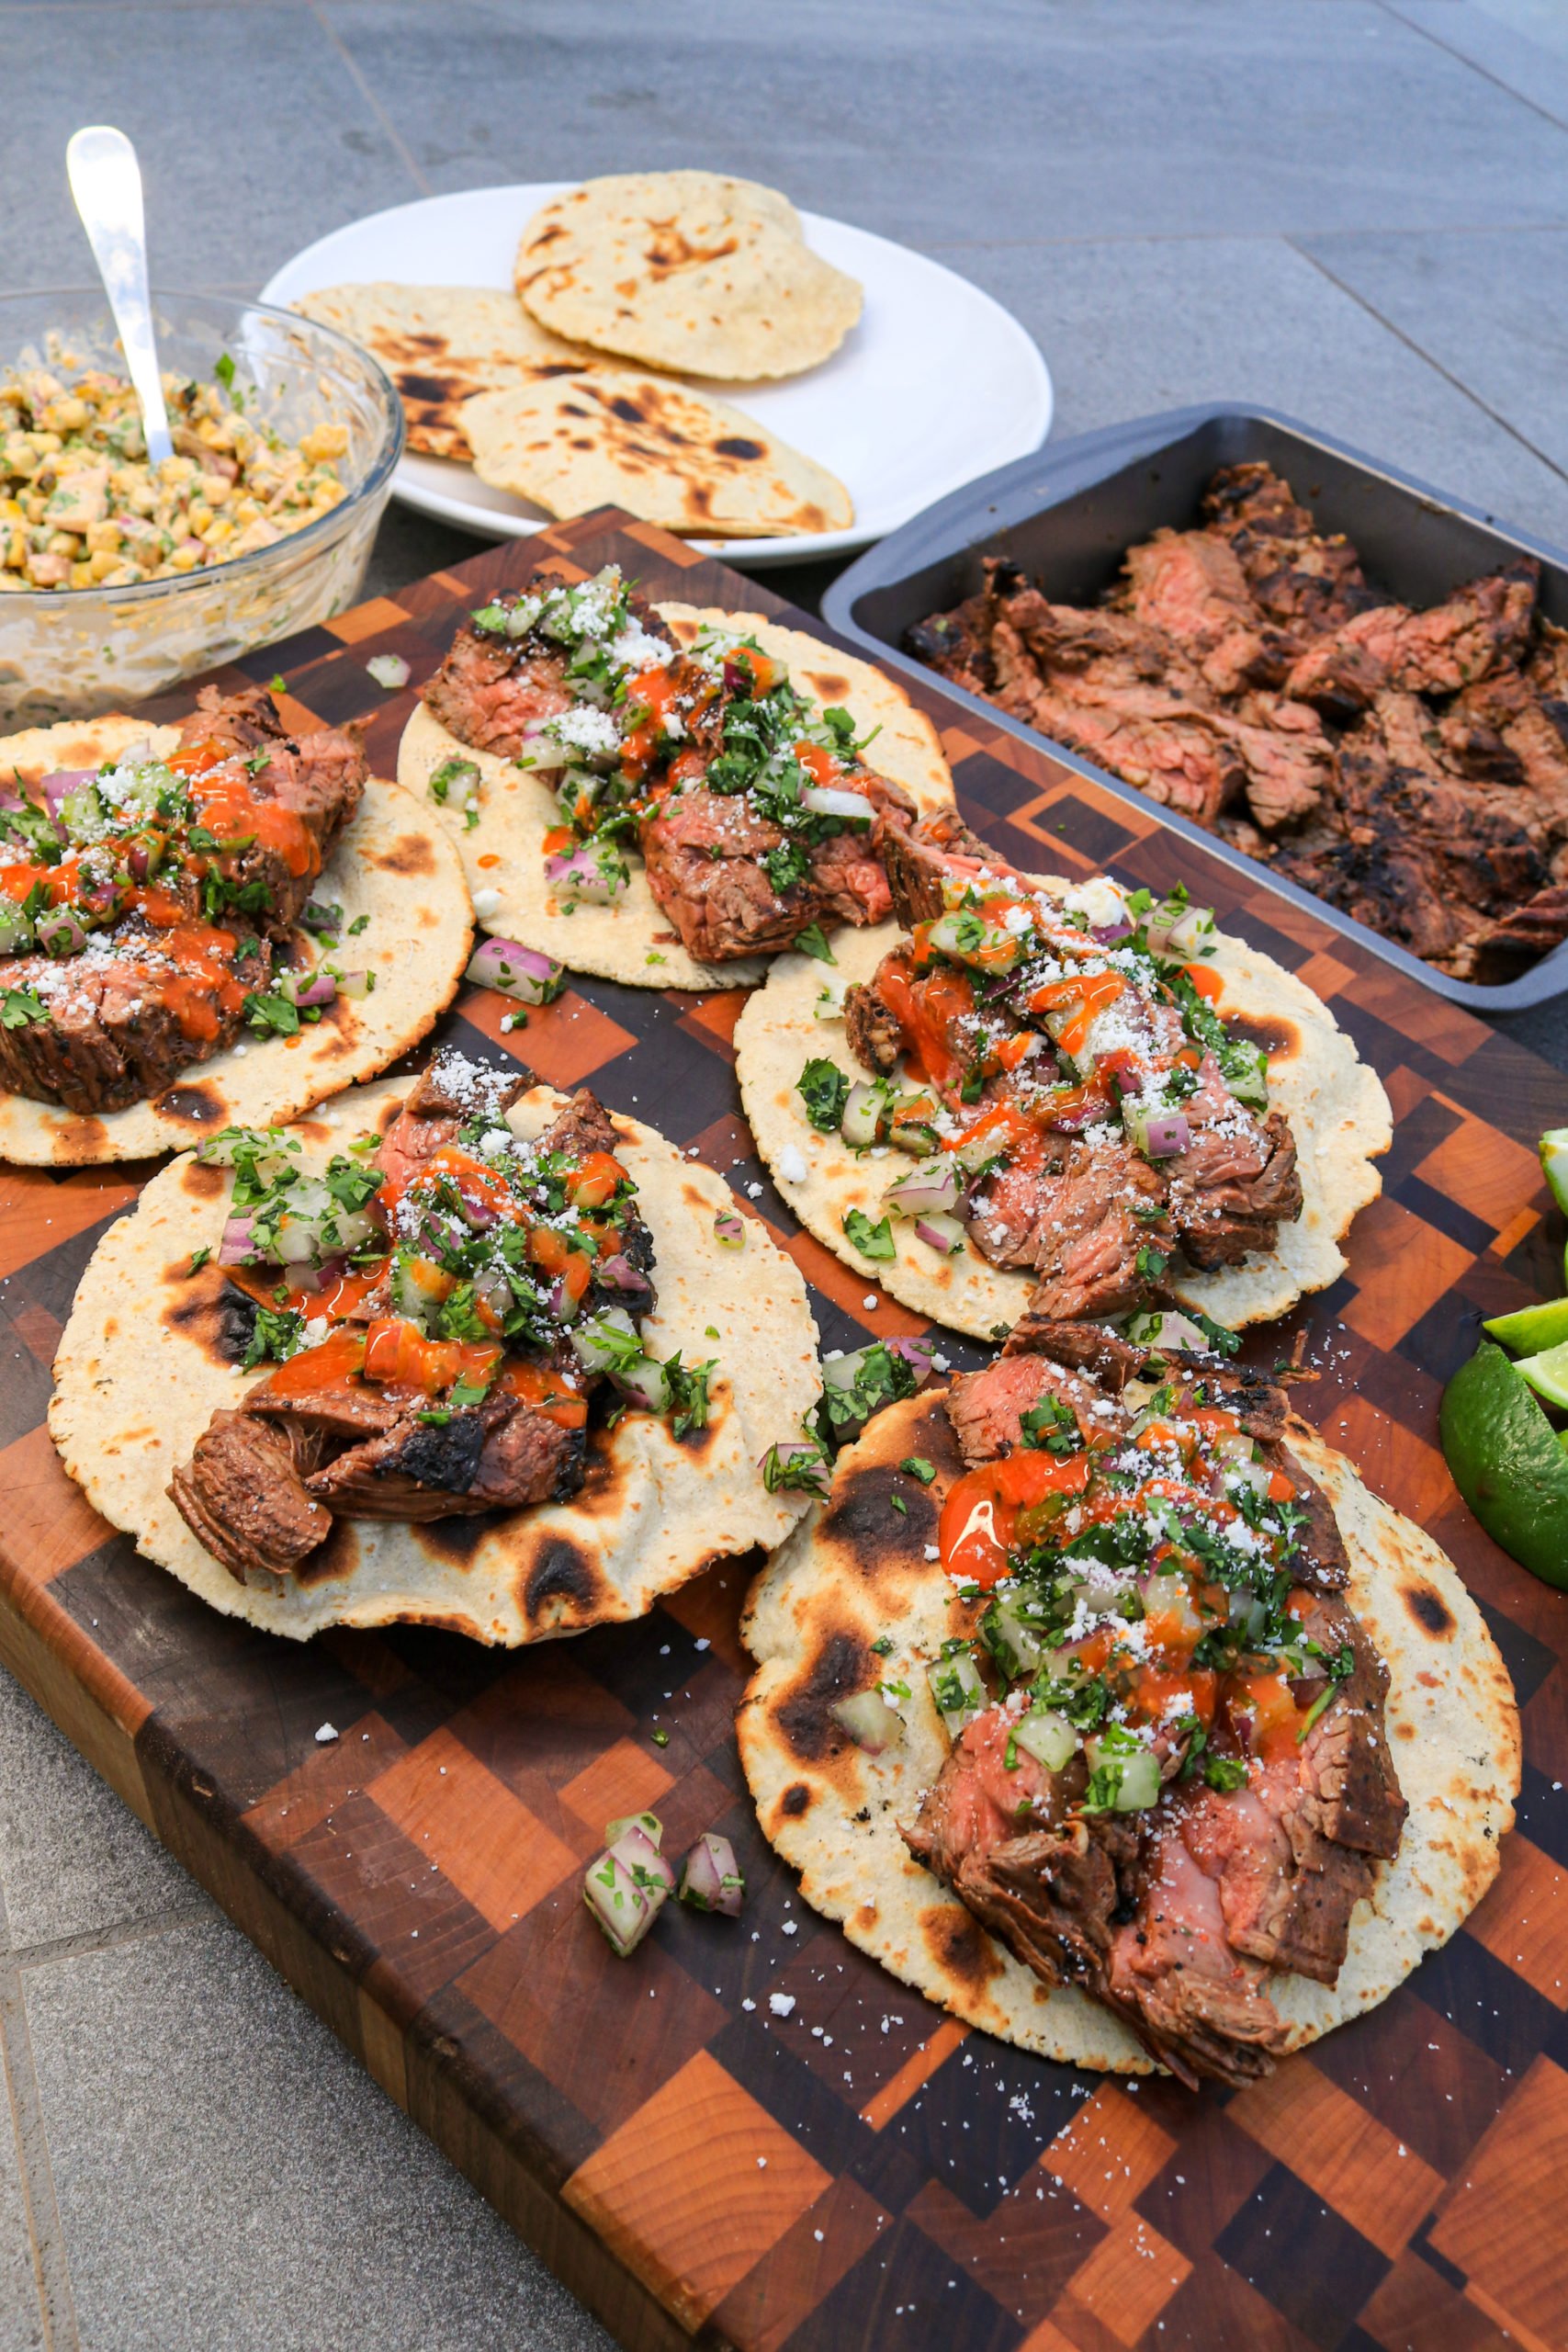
179, 867
1140, 1562
645, 718
493, 1264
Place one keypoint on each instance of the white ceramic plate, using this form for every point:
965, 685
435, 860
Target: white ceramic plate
936, 385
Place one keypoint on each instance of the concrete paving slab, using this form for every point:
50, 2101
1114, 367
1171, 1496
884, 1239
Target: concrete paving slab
197, 93
1490, 308
21, 2315
229, 2180
1128, 328
72, 1860
1515, 55
1015, 121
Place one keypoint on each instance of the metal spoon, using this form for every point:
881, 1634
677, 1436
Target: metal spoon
106, 181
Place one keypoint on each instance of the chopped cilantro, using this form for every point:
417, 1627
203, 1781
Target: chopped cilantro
275, 1337
360, 922
899, 1505
871, 1240
1151, 1263
273, 1015
689, 1393
198, 1258
812, 940
1224, 1772
659, 1738
18, 1006
919, 1467
883, 1646
824, 1090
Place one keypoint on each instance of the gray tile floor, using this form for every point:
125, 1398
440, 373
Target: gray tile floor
1356, 211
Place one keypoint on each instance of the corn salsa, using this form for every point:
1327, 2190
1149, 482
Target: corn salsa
82, 507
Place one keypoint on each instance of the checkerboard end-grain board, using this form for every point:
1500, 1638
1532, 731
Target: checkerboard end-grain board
862, 2170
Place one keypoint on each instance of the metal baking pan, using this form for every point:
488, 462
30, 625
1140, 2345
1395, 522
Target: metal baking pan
1068, 513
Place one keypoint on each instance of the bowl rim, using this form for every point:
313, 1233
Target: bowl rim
384, 466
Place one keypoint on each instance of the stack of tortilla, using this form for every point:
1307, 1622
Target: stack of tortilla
689, 273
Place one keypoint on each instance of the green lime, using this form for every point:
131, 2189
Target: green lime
1554, 1150
1532, 1326
1548, 1375
1507, 1463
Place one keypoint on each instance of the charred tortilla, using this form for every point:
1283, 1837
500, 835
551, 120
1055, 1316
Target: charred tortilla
150, 1349
406, 919
1336, 1108
631, 938
855, 1573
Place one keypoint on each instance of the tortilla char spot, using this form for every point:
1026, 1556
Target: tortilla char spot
211, 1311
627, 409
437, 390
199, 1105
805, 1718
410, 854
82, 1133
456, 1540
562, 1582
795, 1799
204, 1184
1430, 1610
1279, 1038
829, 684
960, 1945
734, 447
863, 1520
338, 1556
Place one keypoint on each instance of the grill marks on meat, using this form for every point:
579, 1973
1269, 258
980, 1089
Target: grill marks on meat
490, 694
1172, 1917
1410, 767
264, 1482
114, 1034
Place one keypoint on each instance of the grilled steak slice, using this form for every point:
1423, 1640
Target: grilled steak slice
1191, 585
320, 776
1237, 1183
1077, 1346
704, 852
1302, 579
497, 1456
241, 1494
876, 1035
917, 858
490, 693
1434, 652
1088, 1240
1501, 950
986, 1407
119, 1025
448, 1093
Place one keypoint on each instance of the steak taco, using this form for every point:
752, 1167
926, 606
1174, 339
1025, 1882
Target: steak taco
1106, 1102
465, 1352
1102, 1701
662, 796
215, 923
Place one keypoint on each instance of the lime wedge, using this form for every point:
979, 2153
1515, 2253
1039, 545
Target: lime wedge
1546, 1374
1507, 1463
1532, 1327
1554, 1150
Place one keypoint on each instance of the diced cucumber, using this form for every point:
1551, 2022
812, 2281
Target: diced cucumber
1048, 1737
864, 1122
957, 1690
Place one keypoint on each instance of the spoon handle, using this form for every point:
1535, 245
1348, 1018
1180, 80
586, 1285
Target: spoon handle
106, 181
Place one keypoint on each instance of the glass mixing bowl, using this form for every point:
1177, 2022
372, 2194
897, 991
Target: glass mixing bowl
73, 653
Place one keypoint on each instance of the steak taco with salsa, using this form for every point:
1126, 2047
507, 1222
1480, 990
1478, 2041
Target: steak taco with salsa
663, 796
209, 924
1100, 1701
465, 1352
1105, 1101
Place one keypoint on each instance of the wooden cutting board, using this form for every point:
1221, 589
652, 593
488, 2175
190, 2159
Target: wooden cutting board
862, 2170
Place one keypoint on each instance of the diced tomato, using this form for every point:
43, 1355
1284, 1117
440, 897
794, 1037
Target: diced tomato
925, 1011
551, 1251
398, 1355
979, 1516
1207, 982
1266, 1705
818, 763
592, 1183
763, 668
558, 838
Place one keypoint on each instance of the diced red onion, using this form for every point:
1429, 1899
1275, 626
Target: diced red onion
916, 1353
623, 1909
619, 1273
234, 1249
939, 1232
354, 983
137, 858
711, 1878
9, 800
1159, 1135
1106, 934
871, 1723
564, 1308
649, 1823
933, 1186
520, 972
636, 1850
646, 1383
388, 670
832, 801
736, 678
59, 931
729, 1229
318, 988
62, 783
582, 875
